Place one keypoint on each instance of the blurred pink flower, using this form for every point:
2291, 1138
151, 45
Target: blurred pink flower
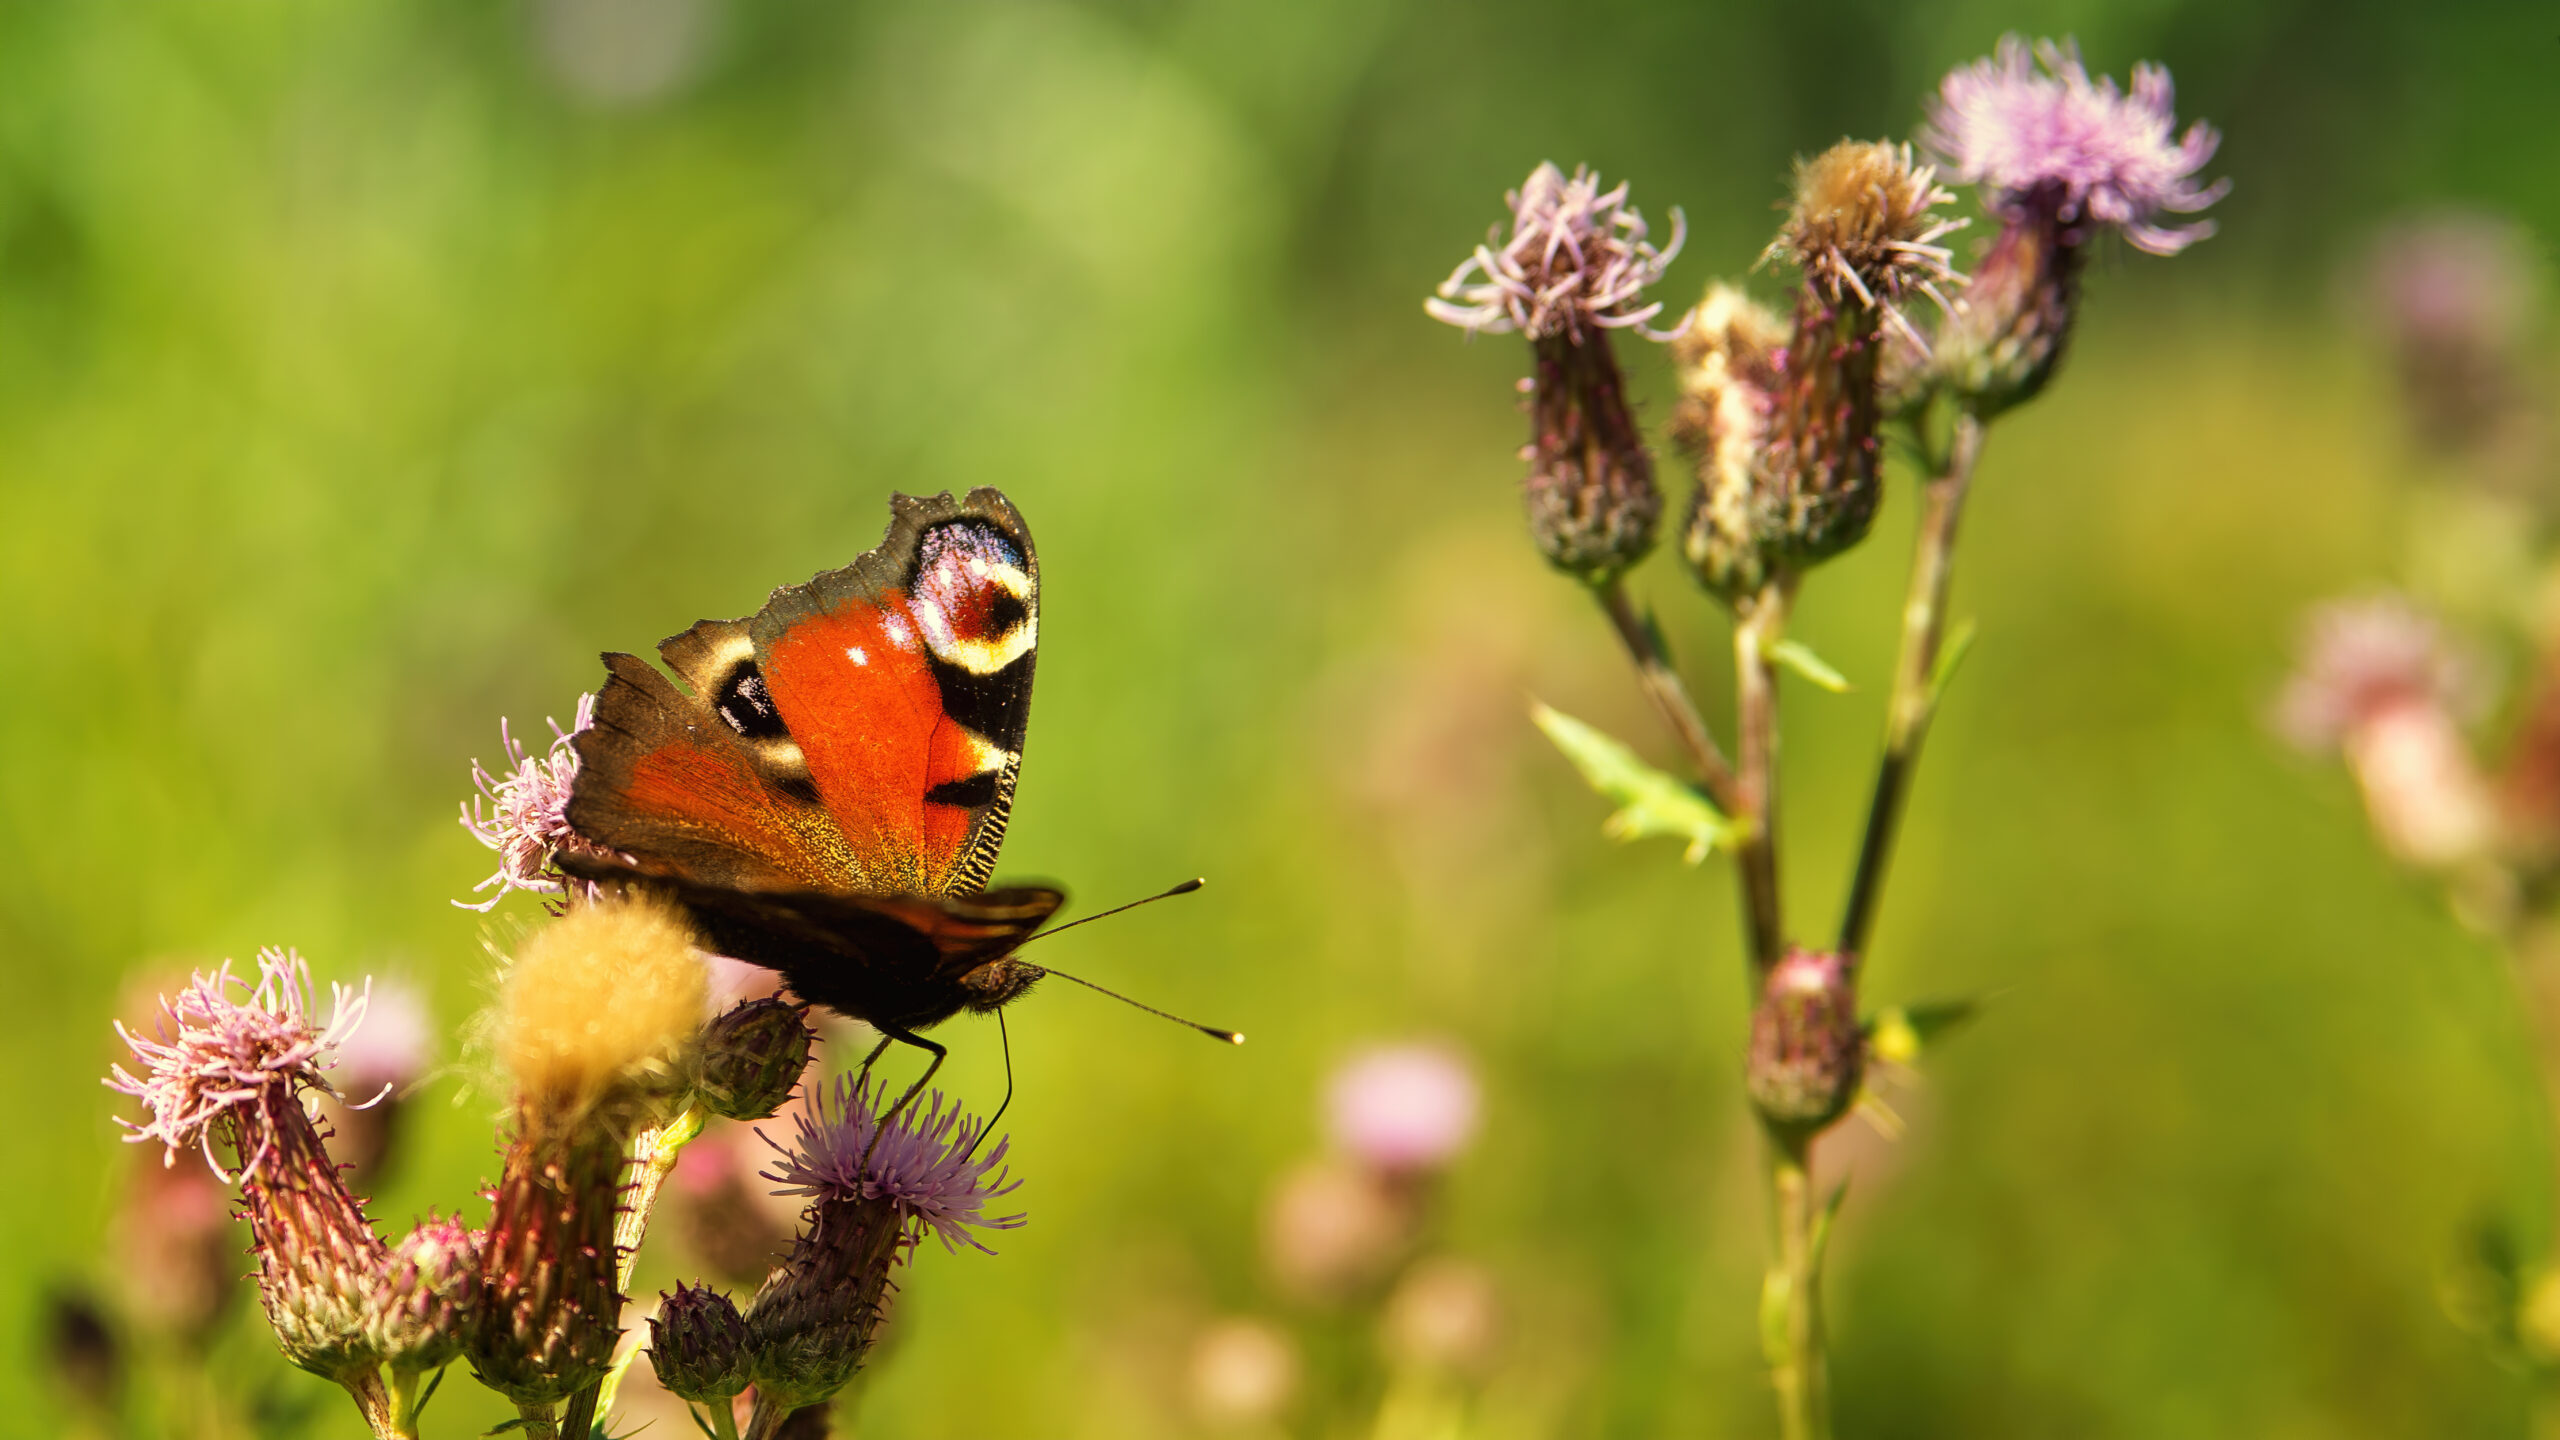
2360, 659
394, 1045
2097, 153
1403, 1108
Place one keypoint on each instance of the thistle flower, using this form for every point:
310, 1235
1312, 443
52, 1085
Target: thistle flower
1445, 1315
2082, 149
874, 1191
1863, 234
1403, 1109
599, 1011
2058, 156
1575, 268
924, 1164
234, 1070
1244, 1373
2382, 683
1333, 1228
1807, 1051
524, 814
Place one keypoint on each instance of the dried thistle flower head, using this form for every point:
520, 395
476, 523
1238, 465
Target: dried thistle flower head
1865, 224
601, 1004
2078, 149
1863, 234
524, 814
1728, 356
1577, 261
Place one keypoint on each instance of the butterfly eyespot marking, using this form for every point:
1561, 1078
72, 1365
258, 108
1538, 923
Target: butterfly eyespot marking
743, 701
972, 598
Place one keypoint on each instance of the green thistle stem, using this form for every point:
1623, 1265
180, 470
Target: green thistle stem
1914, 700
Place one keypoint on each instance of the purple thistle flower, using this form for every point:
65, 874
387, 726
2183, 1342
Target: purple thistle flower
2098, 154
1577, 260
922, 1164
229, 1052
526, 814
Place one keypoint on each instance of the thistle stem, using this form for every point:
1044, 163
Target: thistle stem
1791, 1293
653, 1159
1662, 686
1760, 622
1914, 700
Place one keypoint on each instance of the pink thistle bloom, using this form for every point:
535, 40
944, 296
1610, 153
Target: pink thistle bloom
1577, 260
922, 1164
229, 1052
2363, 659
1404, 1108
526, 814
2094, 152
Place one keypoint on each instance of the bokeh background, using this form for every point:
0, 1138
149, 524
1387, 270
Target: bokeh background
367, 368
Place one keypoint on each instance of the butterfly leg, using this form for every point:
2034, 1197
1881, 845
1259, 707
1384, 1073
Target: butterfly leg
873, 1058
889, 1116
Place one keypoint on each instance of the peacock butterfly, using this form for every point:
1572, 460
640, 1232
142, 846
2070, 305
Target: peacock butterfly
827, 795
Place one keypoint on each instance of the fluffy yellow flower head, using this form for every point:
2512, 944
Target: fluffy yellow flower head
601, 1005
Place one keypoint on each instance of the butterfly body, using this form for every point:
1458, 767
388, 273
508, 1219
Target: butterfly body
827, 794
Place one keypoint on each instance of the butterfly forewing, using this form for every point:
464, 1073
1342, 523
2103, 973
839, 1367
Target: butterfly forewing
905, 679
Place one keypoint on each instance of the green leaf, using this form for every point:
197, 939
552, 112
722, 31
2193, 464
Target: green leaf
1649, 801
1820, 1240
1899, 1034
1799, 657
1950, 655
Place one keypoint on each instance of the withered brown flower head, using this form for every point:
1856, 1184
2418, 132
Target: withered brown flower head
1865, 224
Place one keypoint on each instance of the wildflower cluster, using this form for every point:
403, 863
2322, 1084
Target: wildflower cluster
1784, 407
600, 1028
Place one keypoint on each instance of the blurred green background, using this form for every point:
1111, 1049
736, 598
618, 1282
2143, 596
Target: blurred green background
367, 368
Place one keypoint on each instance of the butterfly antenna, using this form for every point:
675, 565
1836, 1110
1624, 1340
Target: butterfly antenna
1004, 1038
1213, 1032
1185, 888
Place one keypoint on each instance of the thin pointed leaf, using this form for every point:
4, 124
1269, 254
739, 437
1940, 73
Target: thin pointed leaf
1649, 801
1820, 1239
1799, 657
1899, 1034
1950, 655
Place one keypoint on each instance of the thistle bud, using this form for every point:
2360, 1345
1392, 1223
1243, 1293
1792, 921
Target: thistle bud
698, 1345
1728, 358
423, 1301
1807, 1052
752, 1058
1575, 268
1862, 233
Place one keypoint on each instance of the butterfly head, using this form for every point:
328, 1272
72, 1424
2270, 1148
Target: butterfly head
998, 982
